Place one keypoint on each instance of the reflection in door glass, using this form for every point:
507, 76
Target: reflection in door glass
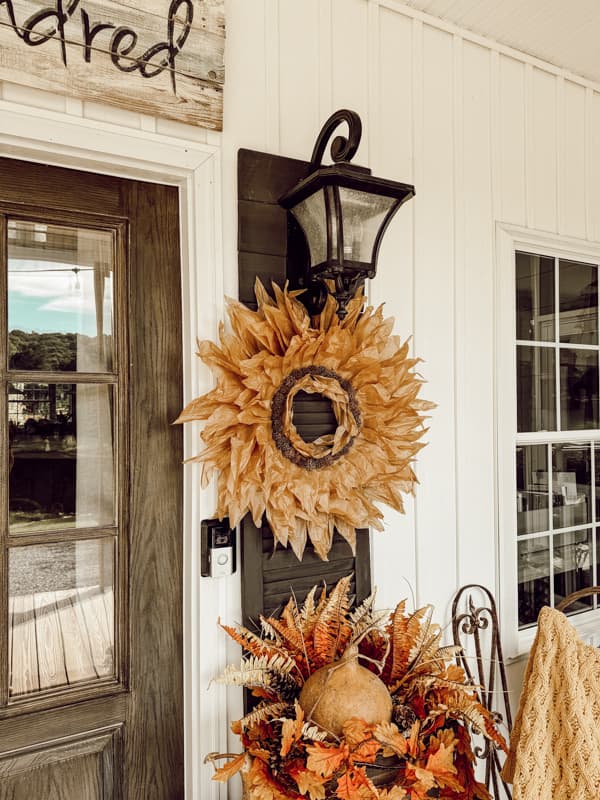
60, 297
60, 615
61, 456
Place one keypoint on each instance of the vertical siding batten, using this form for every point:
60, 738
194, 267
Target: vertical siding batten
299, 61
350, 68
272, 73
474, 325
325, 38
588, 182
460, 304
434, 322
560, 123
594, 166
417, 83
573, 190
391, 140
514, 126
544, 151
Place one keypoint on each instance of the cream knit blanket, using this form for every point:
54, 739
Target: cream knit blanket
555, 743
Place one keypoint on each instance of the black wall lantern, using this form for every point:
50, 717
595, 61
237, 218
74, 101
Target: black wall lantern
343, 211
306, 223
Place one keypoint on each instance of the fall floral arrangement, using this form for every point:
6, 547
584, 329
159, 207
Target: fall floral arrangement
355, 705
308, 489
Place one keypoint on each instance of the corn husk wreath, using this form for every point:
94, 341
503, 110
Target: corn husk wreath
423, 751
308, 489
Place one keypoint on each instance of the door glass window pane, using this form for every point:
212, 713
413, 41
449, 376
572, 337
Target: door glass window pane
61, 618
535, 297
61, 459
571, 484
534, 578
578, 302
578, 389
536, 393
532, 489
572, 561
60, 297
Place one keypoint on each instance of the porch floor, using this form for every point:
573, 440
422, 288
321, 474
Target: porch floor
59, 638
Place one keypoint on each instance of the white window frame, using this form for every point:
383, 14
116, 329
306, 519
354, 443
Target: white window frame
509, 240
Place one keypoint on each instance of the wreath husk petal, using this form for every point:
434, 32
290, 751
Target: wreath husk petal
309, 489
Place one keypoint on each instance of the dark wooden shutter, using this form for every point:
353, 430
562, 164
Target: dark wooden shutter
270, 576
266, 249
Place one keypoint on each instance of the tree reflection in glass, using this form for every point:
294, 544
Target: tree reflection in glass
60, 297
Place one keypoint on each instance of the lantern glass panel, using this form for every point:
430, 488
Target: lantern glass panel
364, 213
312, 217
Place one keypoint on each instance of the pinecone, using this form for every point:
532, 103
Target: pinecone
286, 687
403, 716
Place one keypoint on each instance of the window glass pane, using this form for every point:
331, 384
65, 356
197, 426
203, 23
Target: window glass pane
597, 470
572, 563
534, 578
532, 489
578, 302
535, 297
60, 297
571, 490
60, 620
536, 394
578, 389
61, 456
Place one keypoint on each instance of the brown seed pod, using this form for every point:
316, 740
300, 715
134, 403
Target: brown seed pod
342, 690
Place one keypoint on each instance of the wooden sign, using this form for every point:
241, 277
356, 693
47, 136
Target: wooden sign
161, 57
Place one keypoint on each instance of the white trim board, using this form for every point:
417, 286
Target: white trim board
508, 239
194, 167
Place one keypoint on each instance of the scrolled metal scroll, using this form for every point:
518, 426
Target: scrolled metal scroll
342, 148
478, 622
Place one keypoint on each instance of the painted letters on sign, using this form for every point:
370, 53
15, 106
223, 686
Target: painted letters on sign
165, 59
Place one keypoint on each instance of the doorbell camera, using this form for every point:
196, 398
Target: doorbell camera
217, 548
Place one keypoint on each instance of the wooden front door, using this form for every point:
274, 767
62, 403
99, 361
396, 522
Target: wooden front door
91, 683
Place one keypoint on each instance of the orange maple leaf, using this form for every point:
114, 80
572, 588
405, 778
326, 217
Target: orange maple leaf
441, 765
311, 783
229, 769
261, 785
390, 737
325, 760
365, 752
354, 785
395, 793
291, 730
356, 730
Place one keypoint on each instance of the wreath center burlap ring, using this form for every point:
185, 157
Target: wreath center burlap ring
327, 449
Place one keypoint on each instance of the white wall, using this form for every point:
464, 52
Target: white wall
486, 135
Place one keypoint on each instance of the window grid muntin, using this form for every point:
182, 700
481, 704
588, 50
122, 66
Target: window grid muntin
589, 437
118, 378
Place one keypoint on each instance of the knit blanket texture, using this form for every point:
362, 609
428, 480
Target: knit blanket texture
555, 742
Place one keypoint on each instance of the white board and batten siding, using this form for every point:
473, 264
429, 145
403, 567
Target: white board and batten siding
488, 136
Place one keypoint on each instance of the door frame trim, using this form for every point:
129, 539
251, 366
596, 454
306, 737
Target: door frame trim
72, 141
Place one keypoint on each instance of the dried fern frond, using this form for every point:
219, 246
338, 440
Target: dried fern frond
332, 630
313, 733
263, 713
258, 646
256, 671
